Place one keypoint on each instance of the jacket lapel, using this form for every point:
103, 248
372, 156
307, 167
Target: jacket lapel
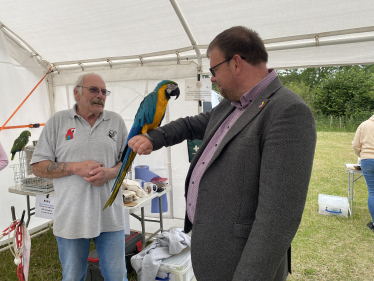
227, 110
251, 112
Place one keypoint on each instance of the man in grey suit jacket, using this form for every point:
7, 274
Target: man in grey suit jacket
247, 185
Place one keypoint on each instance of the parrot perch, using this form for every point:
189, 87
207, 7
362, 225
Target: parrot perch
20, 143
150, 114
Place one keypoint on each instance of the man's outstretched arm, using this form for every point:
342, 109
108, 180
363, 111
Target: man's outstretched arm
50, 169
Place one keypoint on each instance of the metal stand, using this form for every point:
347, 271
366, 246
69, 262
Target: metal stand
143, 220
351, 181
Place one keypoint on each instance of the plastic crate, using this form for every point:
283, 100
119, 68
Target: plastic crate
177, 267
330, 205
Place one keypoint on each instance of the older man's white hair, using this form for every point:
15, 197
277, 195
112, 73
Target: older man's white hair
79, 82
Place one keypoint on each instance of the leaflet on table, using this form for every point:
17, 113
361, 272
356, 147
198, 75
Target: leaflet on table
44, 206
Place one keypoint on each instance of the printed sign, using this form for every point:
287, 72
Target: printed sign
44, 207
198, 90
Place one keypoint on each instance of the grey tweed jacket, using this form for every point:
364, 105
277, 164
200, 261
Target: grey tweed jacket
252, 194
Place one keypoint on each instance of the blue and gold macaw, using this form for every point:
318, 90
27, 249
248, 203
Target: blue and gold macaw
150, 114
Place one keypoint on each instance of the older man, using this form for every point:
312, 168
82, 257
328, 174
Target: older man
247, 184
80, 149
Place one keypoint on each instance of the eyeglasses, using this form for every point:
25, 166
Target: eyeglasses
212, 68
96, 90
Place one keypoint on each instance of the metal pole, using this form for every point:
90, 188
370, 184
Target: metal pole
189, 34
160, 207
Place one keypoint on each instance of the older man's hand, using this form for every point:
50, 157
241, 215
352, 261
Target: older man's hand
83, 169
99, 176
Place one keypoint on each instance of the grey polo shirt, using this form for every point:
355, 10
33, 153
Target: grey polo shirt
67, 137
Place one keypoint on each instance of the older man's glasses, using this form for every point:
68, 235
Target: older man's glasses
212, 68
96, 90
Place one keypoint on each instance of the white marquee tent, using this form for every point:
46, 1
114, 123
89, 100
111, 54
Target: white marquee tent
135, 44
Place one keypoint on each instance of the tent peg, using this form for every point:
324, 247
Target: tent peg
13, 213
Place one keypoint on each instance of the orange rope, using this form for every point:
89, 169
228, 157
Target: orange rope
24, 126
24, 101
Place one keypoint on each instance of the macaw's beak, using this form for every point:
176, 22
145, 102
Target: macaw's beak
175, 92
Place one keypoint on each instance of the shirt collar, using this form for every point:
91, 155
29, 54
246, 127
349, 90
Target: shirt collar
73, 112
250, 96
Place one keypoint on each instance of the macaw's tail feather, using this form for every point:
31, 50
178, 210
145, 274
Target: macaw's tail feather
119, 179
13, 156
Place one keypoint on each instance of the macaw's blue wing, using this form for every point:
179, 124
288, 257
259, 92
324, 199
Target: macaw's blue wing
144, 115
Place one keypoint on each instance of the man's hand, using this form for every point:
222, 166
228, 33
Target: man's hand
83, 169
99, 176
140, 145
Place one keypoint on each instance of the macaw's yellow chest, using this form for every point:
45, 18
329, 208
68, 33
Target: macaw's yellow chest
162, 102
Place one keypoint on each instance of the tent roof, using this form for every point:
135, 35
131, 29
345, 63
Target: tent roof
84, 30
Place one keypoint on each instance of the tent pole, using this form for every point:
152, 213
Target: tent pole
51, 96
189, 34
23, 45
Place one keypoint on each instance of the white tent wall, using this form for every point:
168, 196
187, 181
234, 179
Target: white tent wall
19, 74
129, 84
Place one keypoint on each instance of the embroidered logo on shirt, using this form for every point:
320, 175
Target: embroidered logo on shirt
261, 105
69, 134
111, 134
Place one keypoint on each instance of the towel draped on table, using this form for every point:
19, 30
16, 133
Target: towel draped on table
168, 243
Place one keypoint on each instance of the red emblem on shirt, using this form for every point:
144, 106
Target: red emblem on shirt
69, 134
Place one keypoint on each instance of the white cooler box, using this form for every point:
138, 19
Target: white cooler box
333, 205
178, 266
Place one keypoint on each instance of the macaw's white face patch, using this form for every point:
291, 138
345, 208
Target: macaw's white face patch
171, 87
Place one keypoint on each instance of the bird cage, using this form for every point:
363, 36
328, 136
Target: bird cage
19, 169
24, 176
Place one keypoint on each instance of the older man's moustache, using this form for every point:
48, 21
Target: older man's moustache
97, 101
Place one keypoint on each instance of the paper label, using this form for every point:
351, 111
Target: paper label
198, 90
44, 207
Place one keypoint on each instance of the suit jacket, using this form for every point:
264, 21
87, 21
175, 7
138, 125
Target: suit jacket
252, 194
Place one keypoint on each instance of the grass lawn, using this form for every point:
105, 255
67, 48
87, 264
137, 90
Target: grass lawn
325, 247
328, 247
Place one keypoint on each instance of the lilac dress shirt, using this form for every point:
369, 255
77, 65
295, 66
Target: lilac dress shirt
212, 146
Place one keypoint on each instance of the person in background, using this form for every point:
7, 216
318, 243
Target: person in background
363, 145
80, 148
3, 158
248, 182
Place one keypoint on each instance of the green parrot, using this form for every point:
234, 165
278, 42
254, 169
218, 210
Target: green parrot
20, 143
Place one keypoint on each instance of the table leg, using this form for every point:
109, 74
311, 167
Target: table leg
29, 214
160, 206
143, 227
352, 183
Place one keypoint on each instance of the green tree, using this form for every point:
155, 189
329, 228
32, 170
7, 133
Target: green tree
346, 91
308, 76
304, 91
